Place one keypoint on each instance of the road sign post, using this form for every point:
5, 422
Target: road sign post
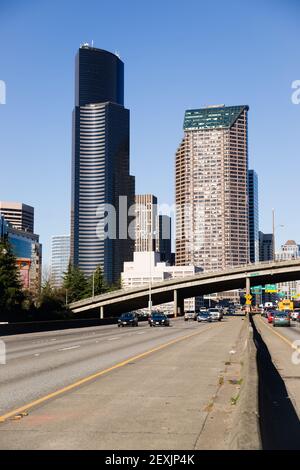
248, 296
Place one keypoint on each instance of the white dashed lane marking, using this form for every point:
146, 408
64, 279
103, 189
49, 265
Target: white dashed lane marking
70, 347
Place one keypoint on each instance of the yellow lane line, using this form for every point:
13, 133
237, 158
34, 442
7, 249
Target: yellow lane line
74, 385
278, 334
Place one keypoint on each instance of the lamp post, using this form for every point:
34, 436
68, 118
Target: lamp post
274, 228
150, 246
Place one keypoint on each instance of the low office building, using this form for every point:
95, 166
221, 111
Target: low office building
28, 253
146, 268
289, 250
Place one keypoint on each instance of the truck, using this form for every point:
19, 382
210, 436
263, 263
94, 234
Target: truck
285, 305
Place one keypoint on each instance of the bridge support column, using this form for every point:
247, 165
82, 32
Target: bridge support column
178, 304
101, 312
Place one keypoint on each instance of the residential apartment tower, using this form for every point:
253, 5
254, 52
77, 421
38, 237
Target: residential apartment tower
212, 230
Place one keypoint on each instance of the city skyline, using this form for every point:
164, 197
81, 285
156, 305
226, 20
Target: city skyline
264, 93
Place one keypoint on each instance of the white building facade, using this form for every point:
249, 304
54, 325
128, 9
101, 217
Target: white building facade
146, 269
289, 250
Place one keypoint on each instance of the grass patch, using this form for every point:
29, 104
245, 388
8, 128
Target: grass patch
236, 381
209, 407
234, 400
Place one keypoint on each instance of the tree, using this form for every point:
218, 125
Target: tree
11, 295
100, 284
75, 283
51, 303
117, 285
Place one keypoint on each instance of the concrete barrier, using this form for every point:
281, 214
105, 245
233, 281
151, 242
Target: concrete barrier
245, 433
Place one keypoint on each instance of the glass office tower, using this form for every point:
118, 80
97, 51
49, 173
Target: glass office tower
100, 163
60, 258
253, 216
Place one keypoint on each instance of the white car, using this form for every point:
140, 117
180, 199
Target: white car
295, 313
215, 314
190, 315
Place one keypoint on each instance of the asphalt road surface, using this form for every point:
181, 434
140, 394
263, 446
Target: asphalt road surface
141, 388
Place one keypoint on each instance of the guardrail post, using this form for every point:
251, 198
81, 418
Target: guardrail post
101, 312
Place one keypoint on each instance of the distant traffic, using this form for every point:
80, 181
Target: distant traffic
162, 318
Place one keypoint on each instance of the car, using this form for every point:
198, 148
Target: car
230, 311
204, 316
295, 314
281, 318
215, 314
128, 319
158, 319
270, 316
190, 315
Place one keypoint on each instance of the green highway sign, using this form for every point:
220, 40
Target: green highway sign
270, 287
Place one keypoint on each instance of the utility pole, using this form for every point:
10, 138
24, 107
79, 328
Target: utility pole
273, 223
152, 233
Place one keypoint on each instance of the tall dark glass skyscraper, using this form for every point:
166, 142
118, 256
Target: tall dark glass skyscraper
100, 163
253, 216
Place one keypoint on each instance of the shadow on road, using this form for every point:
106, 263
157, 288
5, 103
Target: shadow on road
279, 422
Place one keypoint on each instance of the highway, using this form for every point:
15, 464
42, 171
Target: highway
121, 388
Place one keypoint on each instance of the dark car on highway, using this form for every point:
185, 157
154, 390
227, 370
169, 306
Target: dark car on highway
128, 319
281, 318
158, 319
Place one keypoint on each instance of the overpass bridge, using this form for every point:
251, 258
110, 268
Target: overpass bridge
116, 302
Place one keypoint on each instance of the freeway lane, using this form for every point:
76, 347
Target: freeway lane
161, 400
40, 363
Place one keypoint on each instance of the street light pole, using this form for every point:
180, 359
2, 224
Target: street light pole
273, 222
274, 227
150, 271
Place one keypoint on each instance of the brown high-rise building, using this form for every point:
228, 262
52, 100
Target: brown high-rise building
19, 215
212, 189
145, 222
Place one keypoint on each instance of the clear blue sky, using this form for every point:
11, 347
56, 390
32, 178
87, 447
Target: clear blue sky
178, 54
